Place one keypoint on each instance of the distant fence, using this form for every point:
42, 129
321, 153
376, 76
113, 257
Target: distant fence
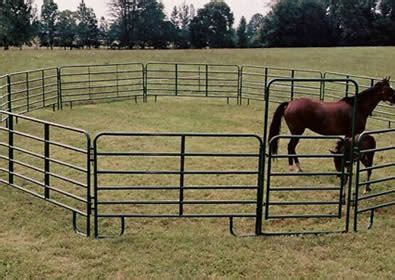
334, 92
99, 82
55, 87
254, 80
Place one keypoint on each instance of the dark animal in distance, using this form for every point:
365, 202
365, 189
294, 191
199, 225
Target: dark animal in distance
327, 118
368, 143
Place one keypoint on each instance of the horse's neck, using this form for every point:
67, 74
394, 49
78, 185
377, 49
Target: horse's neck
367, 102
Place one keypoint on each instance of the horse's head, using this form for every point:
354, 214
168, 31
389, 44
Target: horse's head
386, 92
342, 147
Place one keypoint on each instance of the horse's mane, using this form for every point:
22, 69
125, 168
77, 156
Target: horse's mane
350, 99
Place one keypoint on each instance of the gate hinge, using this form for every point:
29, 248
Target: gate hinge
91, 154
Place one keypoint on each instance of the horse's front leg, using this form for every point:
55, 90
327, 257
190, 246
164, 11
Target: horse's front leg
344, 180
291, 159
367, 187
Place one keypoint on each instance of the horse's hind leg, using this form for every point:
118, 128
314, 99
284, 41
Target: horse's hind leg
292, 151
367, 187
368, 162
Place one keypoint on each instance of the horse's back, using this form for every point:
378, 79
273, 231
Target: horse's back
327, 118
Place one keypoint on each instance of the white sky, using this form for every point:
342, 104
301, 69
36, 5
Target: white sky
240, 8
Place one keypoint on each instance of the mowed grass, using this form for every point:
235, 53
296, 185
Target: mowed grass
37, 241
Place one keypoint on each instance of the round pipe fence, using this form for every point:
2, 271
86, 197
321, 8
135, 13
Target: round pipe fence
74, 182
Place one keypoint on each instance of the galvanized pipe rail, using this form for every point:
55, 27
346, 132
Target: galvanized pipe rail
48, 161
26, 91
182, 171
32, 90
374, 199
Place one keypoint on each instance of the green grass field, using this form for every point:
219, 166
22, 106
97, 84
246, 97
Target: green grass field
36, 240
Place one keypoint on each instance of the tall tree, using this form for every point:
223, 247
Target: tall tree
140, 22
66, 28
384, 24
151, 23
242, 38
104, 29
212, 27
297, 24
87, 29
181, 18
354, 20
49, 17
17, 22
253, 30
125, 16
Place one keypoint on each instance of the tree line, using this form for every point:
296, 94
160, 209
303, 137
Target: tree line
144, 24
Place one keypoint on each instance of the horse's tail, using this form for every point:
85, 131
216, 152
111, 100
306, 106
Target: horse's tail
275, 126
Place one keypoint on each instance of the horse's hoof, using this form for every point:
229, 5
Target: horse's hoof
291, 168
298, 168
365, 192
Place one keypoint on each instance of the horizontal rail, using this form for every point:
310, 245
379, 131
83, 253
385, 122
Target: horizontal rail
375, 195
138, 188
383, 205
175, 202
301, 203
303, 189
177, 216
62, 205
304, 216
58, 144
126, 154
166, 172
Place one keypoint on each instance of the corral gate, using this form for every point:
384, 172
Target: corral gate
190, 177
307, 200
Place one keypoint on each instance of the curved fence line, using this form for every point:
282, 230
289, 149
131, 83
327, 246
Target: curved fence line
67, 183
27, 91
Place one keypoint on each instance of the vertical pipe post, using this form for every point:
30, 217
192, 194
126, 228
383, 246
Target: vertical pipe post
342, 168
268, 181
199, 79
46, 161
89, 82
265, 140
182, 175
9, 97
10, 121
145, 82
260, 185
206, 80
176, 79
353, 147
347, 85
322, 87
356, 196
27, 93
240, 86
95, 198
266, 81
292, 84
60, 98
43, 86
117, 79
89, 160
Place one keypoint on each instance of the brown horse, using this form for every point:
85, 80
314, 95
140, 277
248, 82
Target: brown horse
327, 118
367, 143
